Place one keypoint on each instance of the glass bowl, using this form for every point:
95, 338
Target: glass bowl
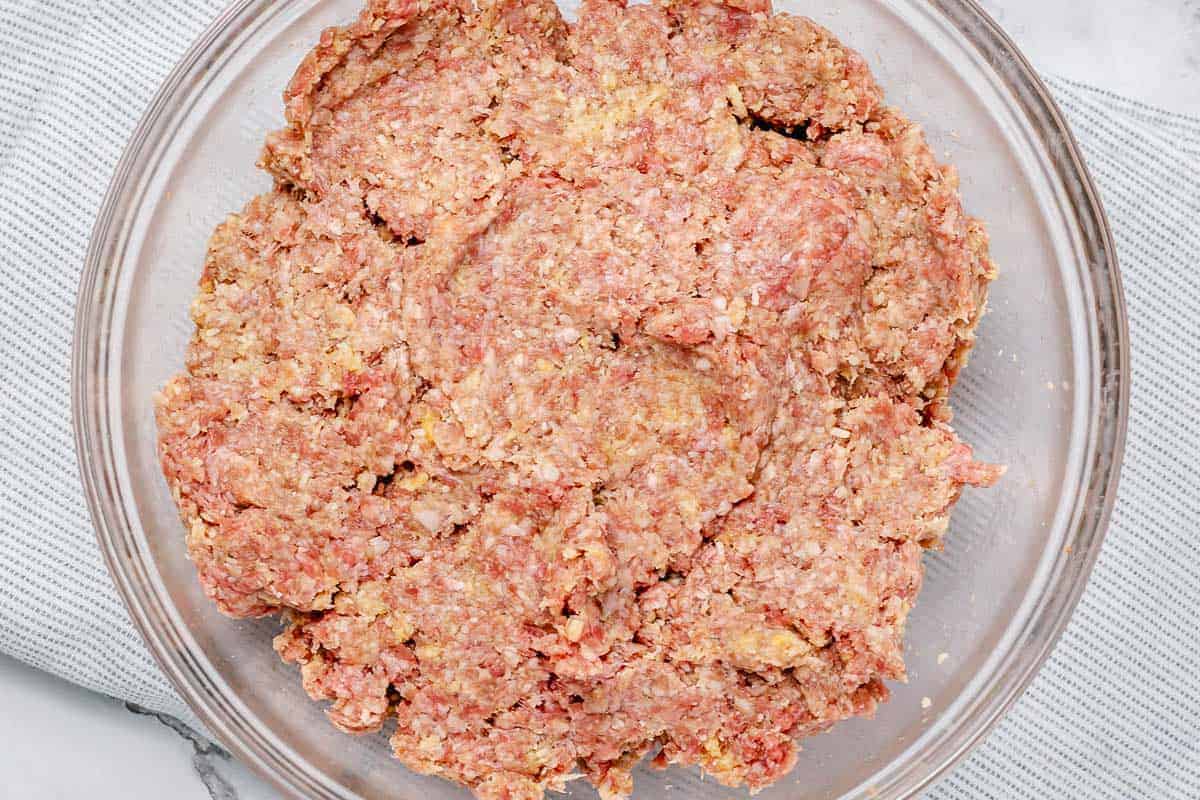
1046, 393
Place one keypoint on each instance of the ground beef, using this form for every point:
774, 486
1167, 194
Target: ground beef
580, 390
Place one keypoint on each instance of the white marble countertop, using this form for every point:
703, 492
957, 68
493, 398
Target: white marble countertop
1145, 49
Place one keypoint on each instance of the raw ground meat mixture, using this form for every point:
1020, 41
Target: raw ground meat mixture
580, 390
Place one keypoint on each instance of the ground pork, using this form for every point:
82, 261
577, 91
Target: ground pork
579, 391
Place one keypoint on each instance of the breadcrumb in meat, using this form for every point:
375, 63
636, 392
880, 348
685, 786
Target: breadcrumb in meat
579, 392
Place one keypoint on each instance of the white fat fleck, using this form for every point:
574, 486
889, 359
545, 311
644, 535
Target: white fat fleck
429, 518
567, 335
546, 471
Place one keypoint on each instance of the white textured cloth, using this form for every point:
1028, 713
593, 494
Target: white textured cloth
1115, 713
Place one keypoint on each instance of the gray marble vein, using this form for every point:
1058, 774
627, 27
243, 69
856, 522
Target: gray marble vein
206, 756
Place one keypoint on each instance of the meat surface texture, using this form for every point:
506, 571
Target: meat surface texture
579, 392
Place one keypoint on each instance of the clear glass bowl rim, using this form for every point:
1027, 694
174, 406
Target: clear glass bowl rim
118, 535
